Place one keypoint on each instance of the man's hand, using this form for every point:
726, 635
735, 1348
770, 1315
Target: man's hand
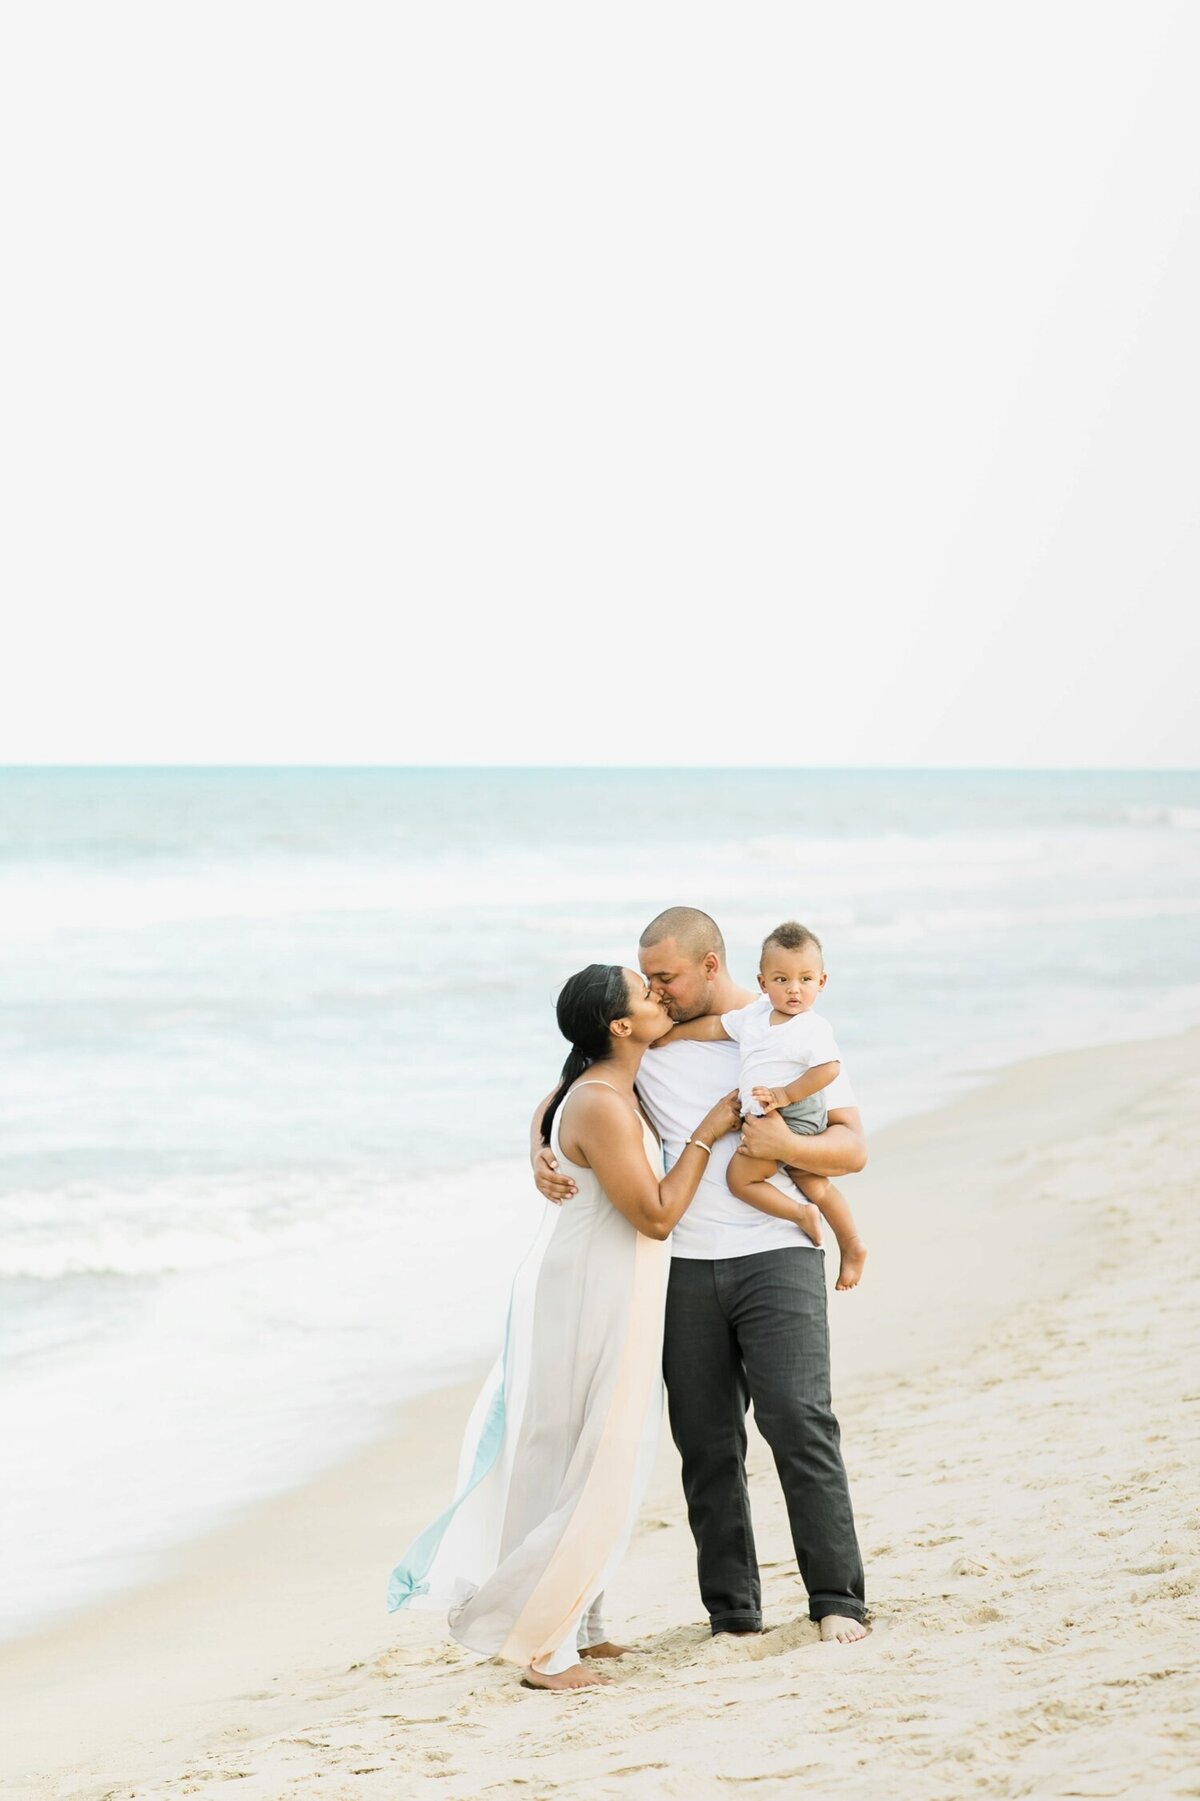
767, 1136
770, 1099
839, 1150
551, 1185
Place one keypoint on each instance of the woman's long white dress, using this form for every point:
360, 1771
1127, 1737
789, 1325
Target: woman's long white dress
561, 1442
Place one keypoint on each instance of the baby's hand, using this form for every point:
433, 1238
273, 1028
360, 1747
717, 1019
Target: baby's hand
769, 1099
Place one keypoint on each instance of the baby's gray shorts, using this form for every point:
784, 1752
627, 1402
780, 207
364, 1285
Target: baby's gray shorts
806, 1117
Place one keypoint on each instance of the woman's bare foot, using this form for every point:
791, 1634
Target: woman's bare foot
836, 1628
854, 1257
605, 1649
575, 1677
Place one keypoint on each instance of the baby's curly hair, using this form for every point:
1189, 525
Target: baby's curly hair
792, 937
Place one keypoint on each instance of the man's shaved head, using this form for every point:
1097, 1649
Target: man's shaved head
694, 932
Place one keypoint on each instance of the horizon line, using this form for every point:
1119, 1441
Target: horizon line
113, 767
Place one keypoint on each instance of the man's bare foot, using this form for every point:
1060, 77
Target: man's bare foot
854, 1257
810, 1221
605, 1648
575, 1677
835, 1627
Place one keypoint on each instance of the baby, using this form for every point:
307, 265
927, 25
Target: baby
788, 1057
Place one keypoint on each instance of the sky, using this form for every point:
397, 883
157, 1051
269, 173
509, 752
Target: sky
687, 384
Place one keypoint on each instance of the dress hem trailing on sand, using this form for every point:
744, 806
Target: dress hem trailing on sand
560, 1444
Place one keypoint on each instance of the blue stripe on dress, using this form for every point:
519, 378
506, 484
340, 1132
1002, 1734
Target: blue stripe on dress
409, 1576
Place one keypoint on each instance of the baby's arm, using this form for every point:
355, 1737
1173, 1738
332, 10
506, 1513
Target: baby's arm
707, 1030
811, 1082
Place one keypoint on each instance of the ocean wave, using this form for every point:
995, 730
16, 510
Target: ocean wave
919, 924
87, 1230
1181, 819
112, 1251
39, 904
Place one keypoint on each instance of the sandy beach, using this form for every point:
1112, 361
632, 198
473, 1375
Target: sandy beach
1018, 1382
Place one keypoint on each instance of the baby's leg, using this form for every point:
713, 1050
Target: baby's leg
836, 1208
748, 1181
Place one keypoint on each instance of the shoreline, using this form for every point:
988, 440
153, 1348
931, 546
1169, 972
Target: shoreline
282, 1608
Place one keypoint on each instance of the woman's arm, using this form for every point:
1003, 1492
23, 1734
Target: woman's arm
606, 1133
811, 1082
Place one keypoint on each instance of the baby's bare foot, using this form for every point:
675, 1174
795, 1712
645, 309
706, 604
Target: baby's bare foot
575, 1677
605, 1649
810, 1221
836, 1628
854, 1257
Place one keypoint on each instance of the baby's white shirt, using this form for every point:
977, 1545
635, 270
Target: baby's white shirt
774, 1056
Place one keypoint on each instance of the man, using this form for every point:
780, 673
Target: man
746, 1310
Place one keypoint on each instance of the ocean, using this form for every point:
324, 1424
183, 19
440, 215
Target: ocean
272, 1039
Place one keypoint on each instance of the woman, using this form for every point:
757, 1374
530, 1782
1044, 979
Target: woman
561, 1443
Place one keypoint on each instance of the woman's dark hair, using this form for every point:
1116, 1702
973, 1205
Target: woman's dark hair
587, 1006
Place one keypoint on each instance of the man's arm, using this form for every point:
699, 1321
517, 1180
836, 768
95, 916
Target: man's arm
840, 1150
535, 1124
549, 1183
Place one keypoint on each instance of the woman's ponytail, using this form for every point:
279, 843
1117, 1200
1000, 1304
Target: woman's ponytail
587, 1006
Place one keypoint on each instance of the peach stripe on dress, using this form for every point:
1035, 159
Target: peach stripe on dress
569, 1581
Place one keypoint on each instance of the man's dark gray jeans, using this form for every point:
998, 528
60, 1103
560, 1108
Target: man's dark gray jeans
754, 1329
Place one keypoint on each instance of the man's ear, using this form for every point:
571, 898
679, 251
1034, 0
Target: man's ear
712, 964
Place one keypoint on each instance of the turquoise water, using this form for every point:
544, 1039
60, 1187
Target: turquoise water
272, 1038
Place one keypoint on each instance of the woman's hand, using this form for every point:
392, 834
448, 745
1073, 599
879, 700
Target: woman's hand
550, 1184
726, 1116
